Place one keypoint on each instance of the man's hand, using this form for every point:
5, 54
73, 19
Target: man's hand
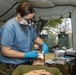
44, 48
41, 56
38, 72
31, 54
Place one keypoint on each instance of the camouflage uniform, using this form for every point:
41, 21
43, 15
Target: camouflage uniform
6, 69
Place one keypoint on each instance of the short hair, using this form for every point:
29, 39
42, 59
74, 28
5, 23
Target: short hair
25, 8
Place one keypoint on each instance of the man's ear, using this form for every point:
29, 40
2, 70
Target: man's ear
19, 15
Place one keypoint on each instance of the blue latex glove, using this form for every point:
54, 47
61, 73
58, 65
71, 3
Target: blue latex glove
31, 54
44, 48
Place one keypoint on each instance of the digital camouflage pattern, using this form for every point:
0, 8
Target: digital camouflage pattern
6, 69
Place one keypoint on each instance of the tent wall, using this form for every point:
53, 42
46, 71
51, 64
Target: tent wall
74, 28
53, 13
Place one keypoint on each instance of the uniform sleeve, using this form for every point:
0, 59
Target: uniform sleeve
7, 37
17, 71
34, 34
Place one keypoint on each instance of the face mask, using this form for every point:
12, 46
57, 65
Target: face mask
26, 22
30, 22
23, 22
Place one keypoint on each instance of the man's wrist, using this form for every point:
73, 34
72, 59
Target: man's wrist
42, 43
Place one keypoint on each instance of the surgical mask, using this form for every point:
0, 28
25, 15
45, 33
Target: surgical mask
23, 21
26, 22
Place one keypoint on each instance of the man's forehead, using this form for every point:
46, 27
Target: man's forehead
29, 16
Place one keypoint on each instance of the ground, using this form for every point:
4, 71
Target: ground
49, 56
